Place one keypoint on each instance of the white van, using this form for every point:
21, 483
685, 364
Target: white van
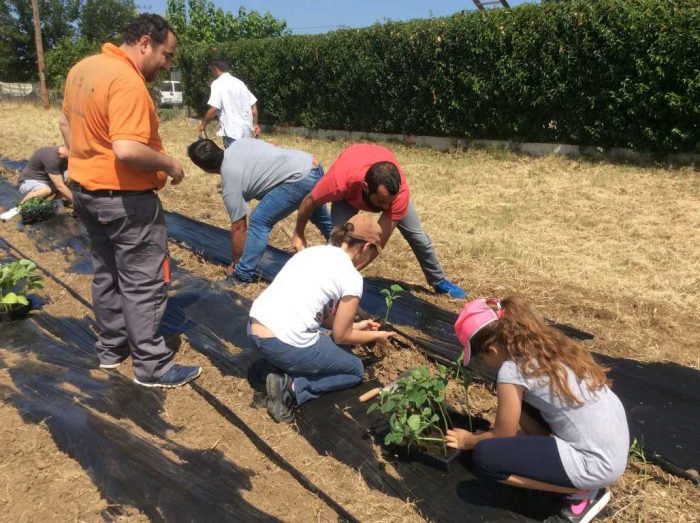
170, 92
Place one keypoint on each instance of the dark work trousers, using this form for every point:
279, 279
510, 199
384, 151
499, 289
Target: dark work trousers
411, 229
129, 246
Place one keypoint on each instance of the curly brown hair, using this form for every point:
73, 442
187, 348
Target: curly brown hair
539, 350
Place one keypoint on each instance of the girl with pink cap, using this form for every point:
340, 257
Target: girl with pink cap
559, 427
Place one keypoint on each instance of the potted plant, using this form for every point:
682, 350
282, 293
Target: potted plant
36, 210
418, 417
16, 278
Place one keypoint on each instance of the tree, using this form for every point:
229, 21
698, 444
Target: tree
105, 20
65, 55
198, 21
63, 23
17, 48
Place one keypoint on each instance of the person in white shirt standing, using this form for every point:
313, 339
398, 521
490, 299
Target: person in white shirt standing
236, 106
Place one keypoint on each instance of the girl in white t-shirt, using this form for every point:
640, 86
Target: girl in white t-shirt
317, 286
559, 427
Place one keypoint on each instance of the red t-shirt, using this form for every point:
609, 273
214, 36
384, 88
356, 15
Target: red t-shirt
344, 179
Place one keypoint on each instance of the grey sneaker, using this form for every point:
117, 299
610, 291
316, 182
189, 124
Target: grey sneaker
176, 376
280, 397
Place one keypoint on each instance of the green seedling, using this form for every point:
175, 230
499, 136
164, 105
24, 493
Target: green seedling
391, 294
467, 378
637, 451
16, 279
36, 210
415, 406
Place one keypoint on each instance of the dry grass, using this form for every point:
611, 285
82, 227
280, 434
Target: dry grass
611, 249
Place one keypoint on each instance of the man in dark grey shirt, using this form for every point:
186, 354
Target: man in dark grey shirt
254, 169
44, 174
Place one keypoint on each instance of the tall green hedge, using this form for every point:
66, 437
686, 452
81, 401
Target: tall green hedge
613, 73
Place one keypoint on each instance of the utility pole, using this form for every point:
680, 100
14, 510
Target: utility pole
40, 54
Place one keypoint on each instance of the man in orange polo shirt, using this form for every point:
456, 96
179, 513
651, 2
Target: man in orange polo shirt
368, 177
110, 125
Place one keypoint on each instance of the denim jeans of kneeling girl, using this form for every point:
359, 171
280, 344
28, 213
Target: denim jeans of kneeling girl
317, 369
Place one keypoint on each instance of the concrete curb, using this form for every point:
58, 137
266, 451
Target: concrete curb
438, 143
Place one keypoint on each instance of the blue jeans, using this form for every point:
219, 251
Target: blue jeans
275, 206
320, 368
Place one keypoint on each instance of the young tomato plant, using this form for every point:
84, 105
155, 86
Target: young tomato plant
16, 279
415, 406
467, 377
391, 294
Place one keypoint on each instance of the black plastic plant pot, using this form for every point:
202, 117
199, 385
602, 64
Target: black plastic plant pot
431, 455
34, 218
17, 313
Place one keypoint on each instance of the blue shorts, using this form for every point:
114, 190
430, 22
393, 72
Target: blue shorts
532, 457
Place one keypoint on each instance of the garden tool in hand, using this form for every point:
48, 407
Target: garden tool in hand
373, 393
201, 133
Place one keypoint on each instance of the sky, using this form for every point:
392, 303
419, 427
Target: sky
319, 16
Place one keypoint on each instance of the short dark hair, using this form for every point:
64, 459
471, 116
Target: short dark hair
220, 64
383, 173
206, 155
147, 24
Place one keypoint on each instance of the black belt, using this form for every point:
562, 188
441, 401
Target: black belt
113, 192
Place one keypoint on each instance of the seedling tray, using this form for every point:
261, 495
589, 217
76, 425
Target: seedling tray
15, 314
432, 455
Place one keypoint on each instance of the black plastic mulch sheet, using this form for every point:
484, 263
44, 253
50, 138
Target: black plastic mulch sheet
13, 165
662, 400
93, 418
9, 195
90, 417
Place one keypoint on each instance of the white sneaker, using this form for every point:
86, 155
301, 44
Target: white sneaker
8, 215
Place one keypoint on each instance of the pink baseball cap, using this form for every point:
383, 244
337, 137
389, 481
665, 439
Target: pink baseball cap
475, 316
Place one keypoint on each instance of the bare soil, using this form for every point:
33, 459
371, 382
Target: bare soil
611, 249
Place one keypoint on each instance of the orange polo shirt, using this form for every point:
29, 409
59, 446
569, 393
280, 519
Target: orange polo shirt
106, 99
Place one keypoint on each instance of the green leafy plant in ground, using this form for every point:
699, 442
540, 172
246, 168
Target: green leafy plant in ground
391, 294
467, 378
416, 409
16, 279
36, 209
637, 452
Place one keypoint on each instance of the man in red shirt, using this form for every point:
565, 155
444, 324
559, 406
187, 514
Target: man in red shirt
368, 177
